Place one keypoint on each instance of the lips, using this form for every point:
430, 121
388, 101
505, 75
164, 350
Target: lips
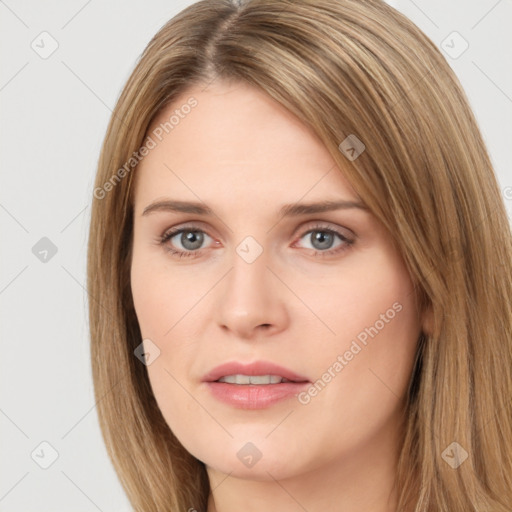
253, 386
253, 369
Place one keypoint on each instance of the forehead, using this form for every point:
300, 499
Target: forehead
235, 144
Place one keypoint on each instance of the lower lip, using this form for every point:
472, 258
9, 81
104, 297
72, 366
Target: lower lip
252, 396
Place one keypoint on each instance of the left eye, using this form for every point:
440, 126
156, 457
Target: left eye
323, 239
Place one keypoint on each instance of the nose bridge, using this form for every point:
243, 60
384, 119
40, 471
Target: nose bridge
249, 297
246, 284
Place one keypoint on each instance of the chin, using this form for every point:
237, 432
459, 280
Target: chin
268, 469
259, 460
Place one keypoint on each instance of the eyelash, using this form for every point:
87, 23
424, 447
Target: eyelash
166, 237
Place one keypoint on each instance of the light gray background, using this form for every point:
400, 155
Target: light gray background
53, 119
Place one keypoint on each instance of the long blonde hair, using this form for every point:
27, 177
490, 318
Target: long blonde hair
343, 67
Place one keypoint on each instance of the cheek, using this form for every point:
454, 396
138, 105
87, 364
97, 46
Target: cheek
371, 295
364, 371
153, 305
162, 311
162, 296
169, 310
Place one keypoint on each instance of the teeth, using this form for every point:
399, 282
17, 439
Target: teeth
252, 379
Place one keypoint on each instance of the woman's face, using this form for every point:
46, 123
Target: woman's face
252, 256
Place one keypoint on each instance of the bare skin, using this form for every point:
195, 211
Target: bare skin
301, 304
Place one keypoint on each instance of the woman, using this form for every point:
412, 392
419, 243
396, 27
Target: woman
300, 270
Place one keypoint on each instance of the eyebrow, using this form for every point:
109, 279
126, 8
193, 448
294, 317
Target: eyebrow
288, 210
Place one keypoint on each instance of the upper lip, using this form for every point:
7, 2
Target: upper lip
255, 368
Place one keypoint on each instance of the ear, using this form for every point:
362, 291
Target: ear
428, 320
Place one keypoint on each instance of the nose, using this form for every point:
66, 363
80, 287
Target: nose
251, 300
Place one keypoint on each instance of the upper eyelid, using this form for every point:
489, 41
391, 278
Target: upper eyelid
192, 226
